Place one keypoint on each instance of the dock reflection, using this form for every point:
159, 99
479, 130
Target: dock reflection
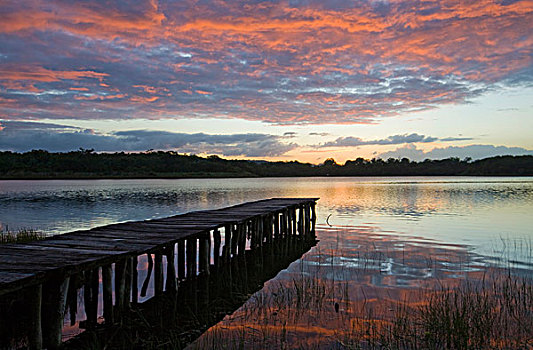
175, 317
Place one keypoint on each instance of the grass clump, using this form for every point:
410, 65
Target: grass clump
21, 236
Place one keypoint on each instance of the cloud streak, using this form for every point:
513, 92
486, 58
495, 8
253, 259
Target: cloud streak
351, 141
25, 136
472, 151
280, 62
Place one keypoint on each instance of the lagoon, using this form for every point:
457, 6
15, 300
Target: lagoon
478, 212
382, 240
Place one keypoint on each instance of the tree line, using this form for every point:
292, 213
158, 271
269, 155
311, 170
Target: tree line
41, 164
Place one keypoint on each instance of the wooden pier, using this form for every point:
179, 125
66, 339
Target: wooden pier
178, 248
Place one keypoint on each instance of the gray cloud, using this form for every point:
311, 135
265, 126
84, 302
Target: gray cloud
319, 134
472, 151
25, 136
391, 140
448, 139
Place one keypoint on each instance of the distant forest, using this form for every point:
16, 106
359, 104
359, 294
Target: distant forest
39, 164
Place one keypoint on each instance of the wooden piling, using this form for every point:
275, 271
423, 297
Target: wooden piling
34, 302
294, 221
128, 282
217, 239
172, 283
120, 288
227, 242
53, 310
158, 273
300, 220
241, 228
90, 297
313, 218
307, 220
253, 234
268, 228
234, 240
107, 292
134, 280
276, 225
260, 231
204, 258
146, 282
181, 259
72, 298
191, 257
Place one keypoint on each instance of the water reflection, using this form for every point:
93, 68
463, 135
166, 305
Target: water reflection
348, 289
394, 240
475, 211
170, 320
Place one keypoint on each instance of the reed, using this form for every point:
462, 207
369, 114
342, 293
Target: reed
21, 236
490, 310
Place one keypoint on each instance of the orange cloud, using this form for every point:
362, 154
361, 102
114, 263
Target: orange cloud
202, 92
270, 61
40, 74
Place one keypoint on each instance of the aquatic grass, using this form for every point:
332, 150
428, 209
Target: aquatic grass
21, 236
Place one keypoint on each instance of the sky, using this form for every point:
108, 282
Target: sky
277, 80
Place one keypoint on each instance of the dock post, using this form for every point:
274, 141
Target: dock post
294, 221
90, 297
191, 257
120, 288
172, 283
307, 219
276, 225
283, 224
128, 282
289, 222
313, 218
144, 287
268, 225
234, 239
217, 239
107, 293
35, 334
204, 257
260, 231
226, 250
134, 280
181, 259
158, 273
253, 234
241, 228
72, 298
301, 220
53, 310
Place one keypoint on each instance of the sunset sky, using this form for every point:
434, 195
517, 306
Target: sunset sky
276, 80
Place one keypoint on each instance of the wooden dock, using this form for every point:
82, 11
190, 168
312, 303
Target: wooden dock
193, 244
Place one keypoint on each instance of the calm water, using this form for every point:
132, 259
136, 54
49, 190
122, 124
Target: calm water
382, 240
481, 213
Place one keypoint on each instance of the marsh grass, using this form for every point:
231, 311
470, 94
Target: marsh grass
332, 307
21, 236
